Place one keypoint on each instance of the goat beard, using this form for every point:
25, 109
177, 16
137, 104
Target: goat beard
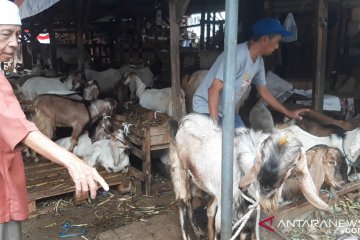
271, 204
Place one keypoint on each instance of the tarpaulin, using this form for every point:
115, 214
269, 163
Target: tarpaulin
30, 8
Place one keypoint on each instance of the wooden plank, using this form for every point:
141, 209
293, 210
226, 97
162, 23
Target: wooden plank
159, 130
160, 146
137, 174
319, 85
135, 139
138, 152
298, 208
160, 139
181, 6
53, 180
175, 61
146, 166
33, 165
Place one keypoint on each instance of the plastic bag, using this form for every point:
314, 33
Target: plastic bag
290, 25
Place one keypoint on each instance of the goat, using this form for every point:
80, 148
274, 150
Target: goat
108, 80
316, 128
104, 128
154, 99
115, 148
261, 164
145, 73
260, 117
91, 90
320, 125
52, 111
41, 85
110, 153
189, 83
327, 167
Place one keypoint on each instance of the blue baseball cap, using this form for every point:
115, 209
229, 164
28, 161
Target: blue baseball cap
268, 26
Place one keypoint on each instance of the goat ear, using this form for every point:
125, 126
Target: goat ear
307, 184
250, 176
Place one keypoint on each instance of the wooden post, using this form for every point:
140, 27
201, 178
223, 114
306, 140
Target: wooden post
208, 24
202, 29
333, 50
318, 86
176, 10
79, 36
83, 15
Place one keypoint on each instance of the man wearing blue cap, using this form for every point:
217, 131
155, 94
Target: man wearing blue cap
208, 98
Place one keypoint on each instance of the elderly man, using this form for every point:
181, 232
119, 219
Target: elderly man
207, 99
15, 130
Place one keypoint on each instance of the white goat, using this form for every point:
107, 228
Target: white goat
108, 80
111, 153
154, 99
41, 85
348, 143
261, 162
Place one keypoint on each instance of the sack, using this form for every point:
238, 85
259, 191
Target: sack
290, 25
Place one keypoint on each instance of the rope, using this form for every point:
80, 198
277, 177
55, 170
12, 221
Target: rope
126, 128
106, 116
156, 112
245, 218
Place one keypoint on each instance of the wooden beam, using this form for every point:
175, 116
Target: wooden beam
181, 6
298, 208
319, 85
202, 29
79, 34
333, 48
175, 60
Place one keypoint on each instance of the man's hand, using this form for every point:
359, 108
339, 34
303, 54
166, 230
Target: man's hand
297, 113
86, 178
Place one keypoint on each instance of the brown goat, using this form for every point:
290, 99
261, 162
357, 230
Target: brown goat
320, 125
53, 111
327, 167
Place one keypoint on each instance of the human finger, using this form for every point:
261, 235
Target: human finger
93, 187
101, 181
78, 191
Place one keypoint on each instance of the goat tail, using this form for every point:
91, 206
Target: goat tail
43, 123
174, 127
179, 176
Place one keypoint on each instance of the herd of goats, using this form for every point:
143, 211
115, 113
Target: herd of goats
274, 165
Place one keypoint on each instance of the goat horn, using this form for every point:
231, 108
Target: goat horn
307, 185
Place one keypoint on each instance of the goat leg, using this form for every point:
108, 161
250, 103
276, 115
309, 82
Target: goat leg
73, 143
34, 156
211, 212
184, 220
194, 224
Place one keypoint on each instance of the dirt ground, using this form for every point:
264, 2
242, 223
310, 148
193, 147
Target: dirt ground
104, 213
